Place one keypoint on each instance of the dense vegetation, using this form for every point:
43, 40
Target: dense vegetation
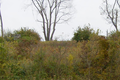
94, 59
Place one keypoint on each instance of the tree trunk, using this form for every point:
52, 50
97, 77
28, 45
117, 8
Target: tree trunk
1, 24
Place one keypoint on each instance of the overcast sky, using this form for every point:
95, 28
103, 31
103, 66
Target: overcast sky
16, 15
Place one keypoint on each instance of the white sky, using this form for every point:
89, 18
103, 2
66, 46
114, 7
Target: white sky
16, 15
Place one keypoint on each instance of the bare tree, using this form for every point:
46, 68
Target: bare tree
52, 12
1, 21
1, 24
111, 9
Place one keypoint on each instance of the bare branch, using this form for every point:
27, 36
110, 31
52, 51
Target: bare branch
111, 13
118, 3
51, 12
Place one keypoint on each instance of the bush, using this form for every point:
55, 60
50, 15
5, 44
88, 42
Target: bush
27, 34
1, 39
26, 39
82, 34
3, 60
114, 35
9, 36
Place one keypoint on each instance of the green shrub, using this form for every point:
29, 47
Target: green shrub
1, 39
26, 39
114, 35
82, 34
9, 36
27, 34
3, 60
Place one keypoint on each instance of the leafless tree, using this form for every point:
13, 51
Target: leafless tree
52, 12
1, 21
1, 24
111, 10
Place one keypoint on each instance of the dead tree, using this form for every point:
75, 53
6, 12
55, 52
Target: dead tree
111, 12
1, 21
52, 12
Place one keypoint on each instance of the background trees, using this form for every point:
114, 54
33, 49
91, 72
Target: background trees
52, 12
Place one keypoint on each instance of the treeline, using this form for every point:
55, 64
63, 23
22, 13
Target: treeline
28, 58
